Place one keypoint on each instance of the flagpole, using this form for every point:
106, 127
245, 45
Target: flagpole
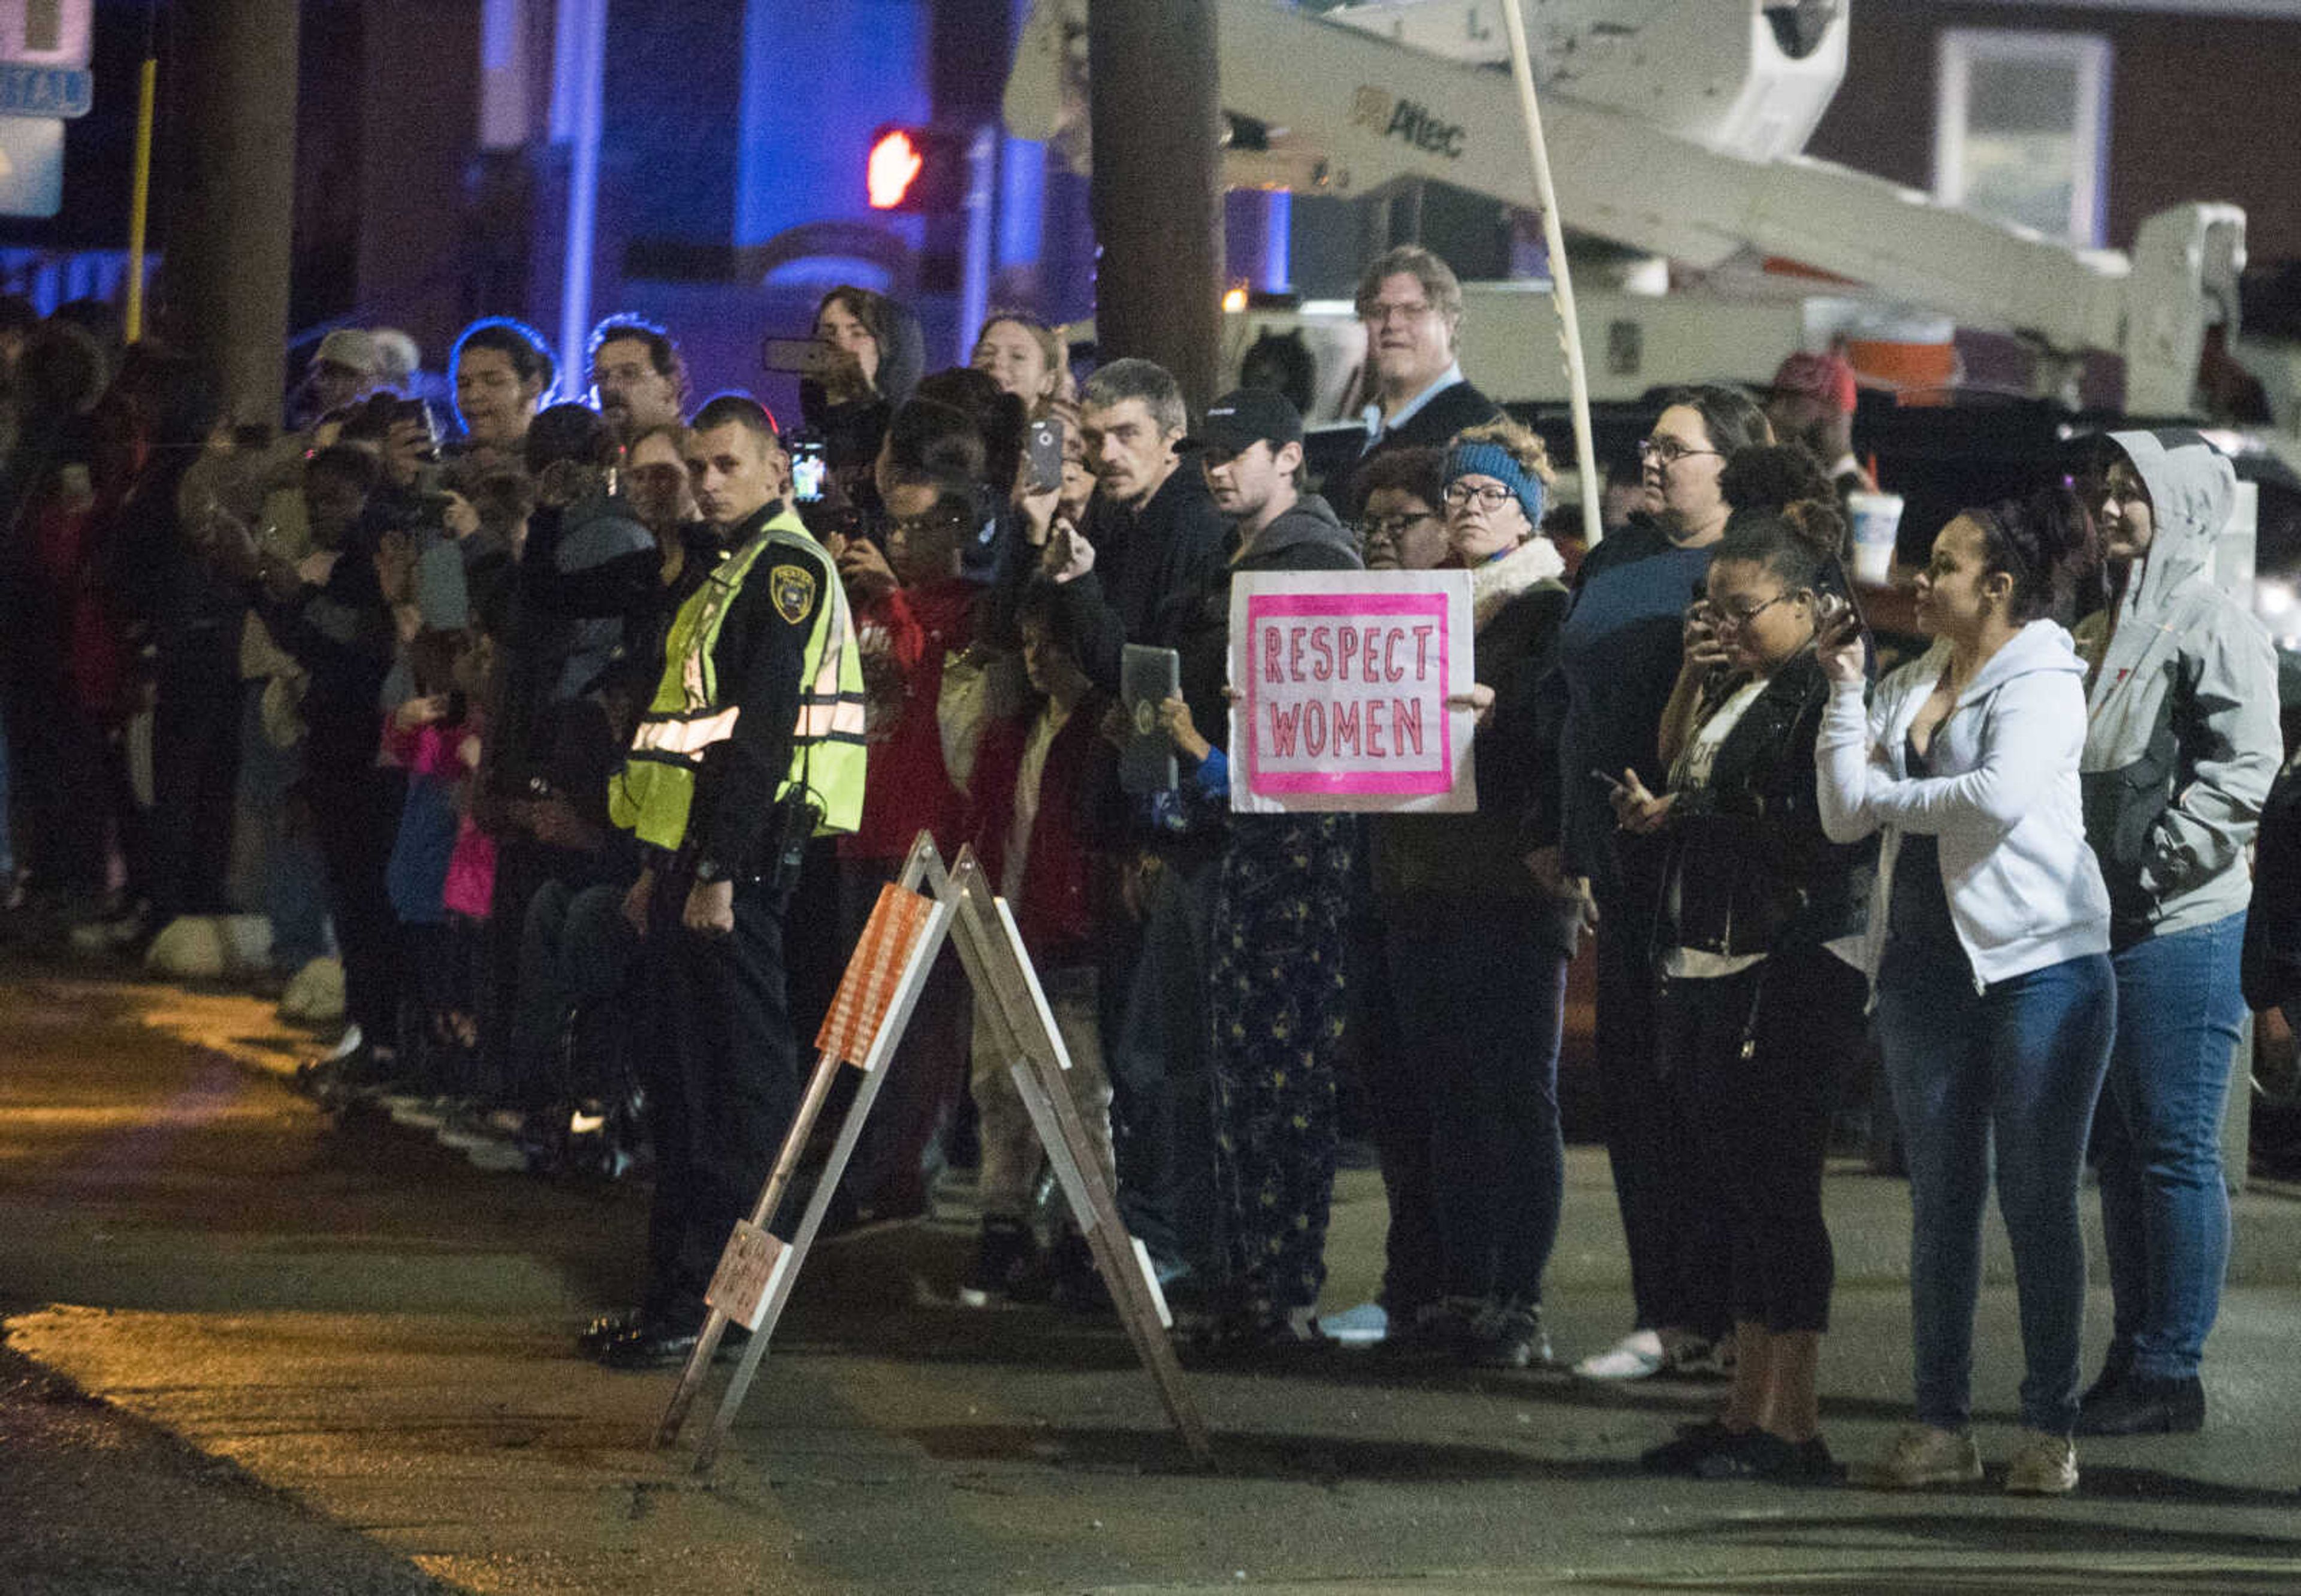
1554, 232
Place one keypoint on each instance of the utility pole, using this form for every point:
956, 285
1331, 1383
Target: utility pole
1155, 107
227, 228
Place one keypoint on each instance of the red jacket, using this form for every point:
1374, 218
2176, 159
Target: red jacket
905, 637
1060, 909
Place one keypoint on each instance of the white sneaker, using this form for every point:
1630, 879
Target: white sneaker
2042, 1465
1922, 1454
346, 1046
1362, 1326
1637, 1356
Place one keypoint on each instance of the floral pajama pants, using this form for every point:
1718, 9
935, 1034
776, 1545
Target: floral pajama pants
1276, 986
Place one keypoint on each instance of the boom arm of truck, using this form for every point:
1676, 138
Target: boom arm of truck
1349, 111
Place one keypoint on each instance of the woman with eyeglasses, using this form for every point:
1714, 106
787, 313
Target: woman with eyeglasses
1477, 953
2181, 745
914, 613
1402, 520
1989, 952
1618, 662
1757, 947
1402, 526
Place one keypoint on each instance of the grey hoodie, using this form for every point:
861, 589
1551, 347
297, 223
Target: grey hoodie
1309, 536
2182, 738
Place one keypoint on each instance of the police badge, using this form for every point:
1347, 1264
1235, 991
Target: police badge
792, 588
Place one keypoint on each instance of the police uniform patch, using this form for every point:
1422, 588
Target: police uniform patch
792, 588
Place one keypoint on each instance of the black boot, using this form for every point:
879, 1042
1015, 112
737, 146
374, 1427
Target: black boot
2138, 1405
2115, 1368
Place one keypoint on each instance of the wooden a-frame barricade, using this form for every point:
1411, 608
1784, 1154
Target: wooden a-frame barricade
881, 985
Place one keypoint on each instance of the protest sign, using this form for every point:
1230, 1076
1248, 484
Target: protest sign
1341, 681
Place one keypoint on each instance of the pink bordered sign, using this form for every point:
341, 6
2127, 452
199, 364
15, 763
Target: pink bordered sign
1340, 682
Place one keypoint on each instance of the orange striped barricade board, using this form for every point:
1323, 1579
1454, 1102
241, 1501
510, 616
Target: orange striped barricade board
859, 1009
758, 1269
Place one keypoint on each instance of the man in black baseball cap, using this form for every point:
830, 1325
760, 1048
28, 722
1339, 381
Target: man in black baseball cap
1244, 417
1276, 1022
1251, 451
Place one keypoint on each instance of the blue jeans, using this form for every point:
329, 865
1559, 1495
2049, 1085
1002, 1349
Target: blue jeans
2022, 1063
2164, 1208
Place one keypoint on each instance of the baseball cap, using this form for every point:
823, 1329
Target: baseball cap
1244, 417
397, 358
1824, 377
349, 347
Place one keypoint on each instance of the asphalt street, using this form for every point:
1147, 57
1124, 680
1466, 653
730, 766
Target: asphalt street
249, 1350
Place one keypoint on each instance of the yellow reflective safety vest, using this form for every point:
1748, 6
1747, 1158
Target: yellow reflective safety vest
651, 796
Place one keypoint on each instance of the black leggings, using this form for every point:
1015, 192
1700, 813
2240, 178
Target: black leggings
1763, 1120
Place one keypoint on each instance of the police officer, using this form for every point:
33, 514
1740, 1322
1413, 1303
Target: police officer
752, 745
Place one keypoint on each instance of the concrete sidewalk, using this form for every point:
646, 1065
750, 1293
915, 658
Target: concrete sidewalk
362, 1320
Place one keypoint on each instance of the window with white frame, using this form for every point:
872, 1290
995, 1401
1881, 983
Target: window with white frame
2021, 128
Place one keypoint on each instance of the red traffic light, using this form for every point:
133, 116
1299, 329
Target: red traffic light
896, 163
917, 169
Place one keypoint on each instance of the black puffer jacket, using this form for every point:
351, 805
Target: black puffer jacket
1749, 870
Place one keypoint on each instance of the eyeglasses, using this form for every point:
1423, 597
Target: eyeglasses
1492, 496
1668, 452
1390, 527
1740, 619
1378, 313
931, 524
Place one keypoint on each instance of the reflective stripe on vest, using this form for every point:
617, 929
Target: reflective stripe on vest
651, 796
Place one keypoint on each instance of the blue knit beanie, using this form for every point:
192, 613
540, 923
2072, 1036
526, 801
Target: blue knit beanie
1482, 459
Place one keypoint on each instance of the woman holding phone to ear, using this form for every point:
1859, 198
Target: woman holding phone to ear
1989, 944
1755, 944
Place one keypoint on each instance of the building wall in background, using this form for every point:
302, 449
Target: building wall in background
2199, 107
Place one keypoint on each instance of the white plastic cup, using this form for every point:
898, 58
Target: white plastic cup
1876, 519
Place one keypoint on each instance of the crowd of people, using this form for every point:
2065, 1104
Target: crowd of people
588, 733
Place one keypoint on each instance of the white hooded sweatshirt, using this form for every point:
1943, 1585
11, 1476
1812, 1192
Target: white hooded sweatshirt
2003, 802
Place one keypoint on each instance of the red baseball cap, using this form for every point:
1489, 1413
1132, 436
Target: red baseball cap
1824, 377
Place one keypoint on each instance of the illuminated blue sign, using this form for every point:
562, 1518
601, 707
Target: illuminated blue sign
47, 91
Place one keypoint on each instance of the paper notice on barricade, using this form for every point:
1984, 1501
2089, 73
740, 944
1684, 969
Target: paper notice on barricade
1340, 682
753, 1261
874, 976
